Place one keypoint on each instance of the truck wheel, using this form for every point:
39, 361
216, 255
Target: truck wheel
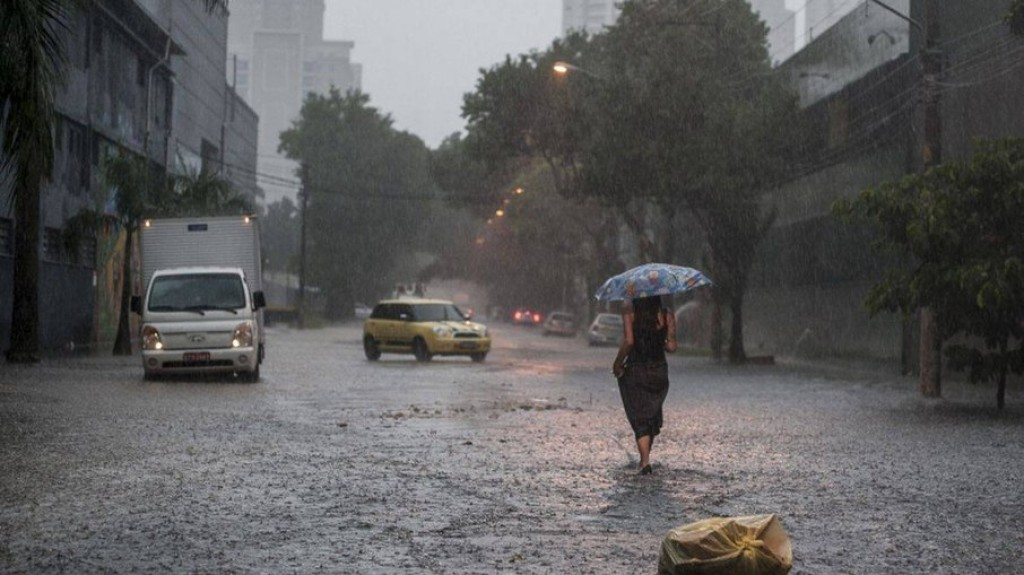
478, 357
370, 348
250, 376
420, 350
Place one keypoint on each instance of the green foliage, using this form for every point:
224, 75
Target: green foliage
280, 236
31, 60
1015, 17
675, 109
369, 196
960, 225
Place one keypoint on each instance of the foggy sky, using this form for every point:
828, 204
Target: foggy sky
420, 56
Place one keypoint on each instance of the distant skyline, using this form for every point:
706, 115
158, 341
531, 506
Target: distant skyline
420, 56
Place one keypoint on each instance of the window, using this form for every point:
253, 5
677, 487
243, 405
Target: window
6, 237
52, 250
140, 72
87, 253
197, 292
210, 156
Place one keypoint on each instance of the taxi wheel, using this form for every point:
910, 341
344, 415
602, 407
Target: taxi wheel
478, 357
420, 350
370, 348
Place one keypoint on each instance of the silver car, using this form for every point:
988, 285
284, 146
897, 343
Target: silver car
560, 323
606, 329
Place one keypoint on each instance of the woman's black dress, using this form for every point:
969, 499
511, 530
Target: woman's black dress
644, 384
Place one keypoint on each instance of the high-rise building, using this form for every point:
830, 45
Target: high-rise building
277, 55
781, 22
589, 15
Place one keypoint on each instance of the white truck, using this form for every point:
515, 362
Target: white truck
202, 306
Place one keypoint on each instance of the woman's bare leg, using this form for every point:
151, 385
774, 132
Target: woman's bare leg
643, 445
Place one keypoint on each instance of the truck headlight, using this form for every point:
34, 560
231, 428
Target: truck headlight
151, 338
242, 337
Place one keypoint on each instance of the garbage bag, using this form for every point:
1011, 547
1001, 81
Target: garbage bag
751, 545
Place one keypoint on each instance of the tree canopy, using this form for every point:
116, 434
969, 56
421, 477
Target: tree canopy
960, 224
369, 195
673, 111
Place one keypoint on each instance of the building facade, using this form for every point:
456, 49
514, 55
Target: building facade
862, 87
591, 16
277, 55
146, 78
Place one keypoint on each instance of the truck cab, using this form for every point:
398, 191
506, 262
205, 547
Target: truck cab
201, 320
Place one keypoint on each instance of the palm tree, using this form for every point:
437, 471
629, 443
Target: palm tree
139, 189
205, 193
31, 61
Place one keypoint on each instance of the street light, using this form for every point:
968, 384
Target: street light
561, 68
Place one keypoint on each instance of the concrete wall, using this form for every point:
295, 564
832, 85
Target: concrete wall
808, 287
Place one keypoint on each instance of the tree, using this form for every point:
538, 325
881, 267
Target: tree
280, 236
959, 224
674, 110
364, 181
1015, 17
708, 128
31, 61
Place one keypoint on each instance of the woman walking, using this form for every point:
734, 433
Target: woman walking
649, 331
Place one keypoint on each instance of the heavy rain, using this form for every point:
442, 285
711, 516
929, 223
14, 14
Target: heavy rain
355, 286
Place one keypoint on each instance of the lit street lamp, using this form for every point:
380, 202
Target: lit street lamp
561, 68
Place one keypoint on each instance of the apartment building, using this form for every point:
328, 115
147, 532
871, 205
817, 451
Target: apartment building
143, 77
277, 55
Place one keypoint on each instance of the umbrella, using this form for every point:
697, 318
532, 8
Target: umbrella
651, 280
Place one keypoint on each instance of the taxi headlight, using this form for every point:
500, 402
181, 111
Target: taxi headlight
151, 338
442, 331
242, 337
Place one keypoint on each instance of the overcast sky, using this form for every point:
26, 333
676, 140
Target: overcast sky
420, 56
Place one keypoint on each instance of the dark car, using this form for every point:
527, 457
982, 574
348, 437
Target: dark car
526, 316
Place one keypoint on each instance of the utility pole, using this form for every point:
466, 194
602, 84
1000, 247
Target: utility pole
930, 350
301, 307
930, 383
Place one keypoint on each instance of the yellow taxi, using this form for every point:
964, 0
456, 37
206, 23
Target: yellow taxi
424, 328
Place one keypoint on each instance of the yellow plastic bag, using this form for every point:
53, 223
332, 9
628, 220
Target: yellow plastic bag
752, 545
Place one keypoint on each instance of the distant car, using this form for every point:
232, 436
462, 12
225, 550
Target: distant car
560, 323
606, 329
362, 311
526, 316
424, 328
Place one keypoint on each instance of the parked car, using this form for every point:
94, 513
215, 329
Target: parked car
362, 311
560, 323
606, 329
424, 328
526, 316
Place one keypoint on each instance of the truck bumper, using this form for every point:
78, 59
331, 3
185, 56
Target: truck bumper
240, 360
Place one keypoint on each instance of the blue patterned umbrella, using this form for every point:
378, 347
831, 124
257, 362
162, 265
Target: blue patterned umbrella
651, 280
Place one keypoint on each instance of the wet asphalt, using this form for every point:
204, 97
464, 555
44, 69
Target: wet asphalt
521, 464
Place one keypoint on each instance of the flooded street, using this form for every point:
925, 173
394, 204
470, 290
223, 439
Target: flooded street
521, 464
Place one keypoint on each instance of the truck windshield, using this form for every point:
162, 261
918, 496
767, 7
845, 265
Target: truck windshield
197, 292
